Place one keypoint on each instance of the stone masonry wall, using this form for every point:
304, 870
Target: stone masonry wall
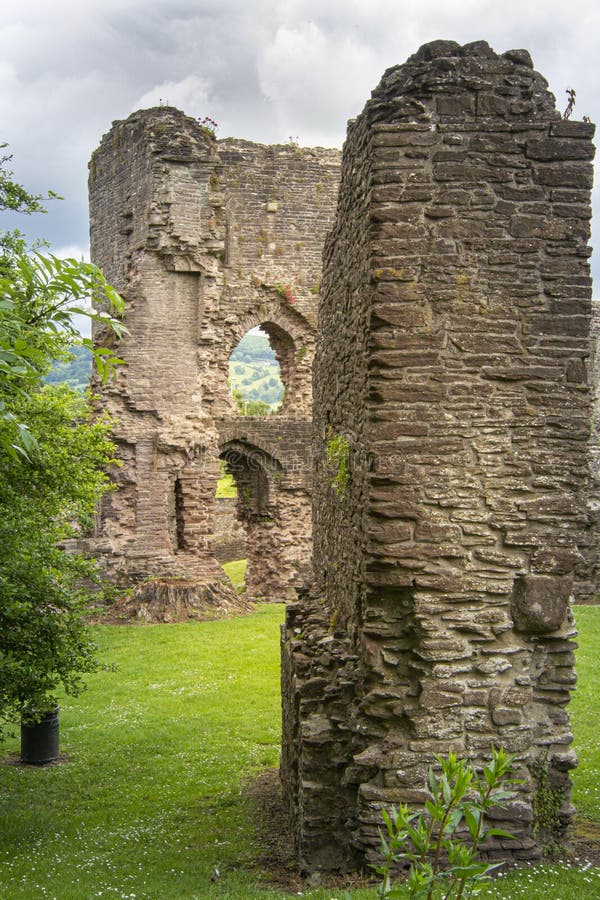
451, 382
590, 575
205, 239
230, 534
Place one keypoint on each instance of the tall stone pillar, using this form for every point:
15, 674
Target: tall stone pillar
451, 418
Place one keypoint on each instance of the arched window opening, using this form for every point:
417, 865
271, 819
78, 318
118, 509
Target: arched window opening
260, 367
252, 486
252, 470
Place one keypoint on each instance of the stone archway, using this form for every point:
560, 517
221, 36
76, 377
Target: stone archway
292, 337
270, 463
256, 475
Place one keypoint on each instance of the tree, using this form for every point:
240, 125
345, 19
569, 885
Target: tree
249, 407
52, 465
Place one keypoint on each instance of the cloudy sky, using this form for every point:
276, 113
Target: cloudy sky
265, 70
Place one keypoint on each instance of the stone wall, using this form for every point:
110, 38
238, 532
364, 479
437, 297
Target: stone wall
451, 384
205, 239
590, 575
230, 534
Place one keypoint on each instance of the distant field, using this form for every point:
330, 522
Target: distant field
254, 370
257, 381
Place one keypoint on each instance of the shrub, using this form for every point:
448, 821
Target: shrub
440, 843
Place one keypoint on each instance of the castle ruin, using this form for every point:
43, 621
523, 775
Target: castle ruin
206, 240
450, 425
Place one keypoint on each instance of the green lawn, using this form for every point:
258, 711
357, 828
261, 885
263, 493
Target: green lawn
236, 572
150, 799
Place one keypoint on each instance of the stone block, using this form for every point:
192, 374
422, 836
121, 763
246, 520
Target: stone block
540, 602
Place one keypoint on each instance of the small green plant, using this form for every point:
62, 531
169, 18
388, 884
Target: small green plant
440, 843
293, 143
338, 455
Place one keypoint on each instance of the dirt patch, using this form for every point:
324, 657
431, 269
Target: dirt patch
14, 759
584, 840
276, 862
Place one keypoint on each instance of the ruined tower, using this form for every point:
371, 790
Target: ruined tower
207, 239
451, 418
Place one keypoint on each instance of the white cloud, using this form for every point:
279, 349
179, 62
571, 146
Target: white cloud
191, 94
299, 74
73, 251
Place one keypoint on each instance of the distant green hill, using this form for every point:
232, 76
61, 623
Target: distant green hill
254, 347
75, 372
254, 371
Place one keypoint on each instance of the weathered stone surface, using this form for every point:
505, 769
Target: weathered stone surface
540, 602
201, 237
450, 379
177, 600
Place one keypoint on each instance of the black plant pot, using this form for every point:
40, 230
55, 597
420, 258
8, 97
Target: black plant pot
39, 739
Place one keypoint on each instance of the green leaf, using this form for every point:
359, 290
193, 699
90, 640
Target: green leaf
472, 818
499, 832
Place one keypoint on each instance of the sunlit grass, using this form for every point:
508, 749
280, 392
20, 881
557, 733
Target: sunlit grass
150, 800
585, 714
236, 572
226, 487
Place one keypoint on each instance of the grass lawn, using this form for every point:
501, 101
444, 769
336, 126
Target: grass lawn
236, 572
150, 801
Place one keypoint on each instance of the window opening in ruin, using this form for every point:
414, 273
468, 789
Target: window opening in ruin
247, 467
179, 516
256, 370
226, 486
230, 534
176, 516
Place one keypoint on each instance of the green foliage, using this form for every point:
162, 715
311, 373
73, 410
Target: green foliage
39, 295
285, 291
43, 639
337, 451
438, 854
14, 197
247, 407
51, 465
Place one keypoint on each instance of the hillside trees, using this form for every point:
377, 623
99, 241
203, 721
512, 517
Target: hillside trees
52, 465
